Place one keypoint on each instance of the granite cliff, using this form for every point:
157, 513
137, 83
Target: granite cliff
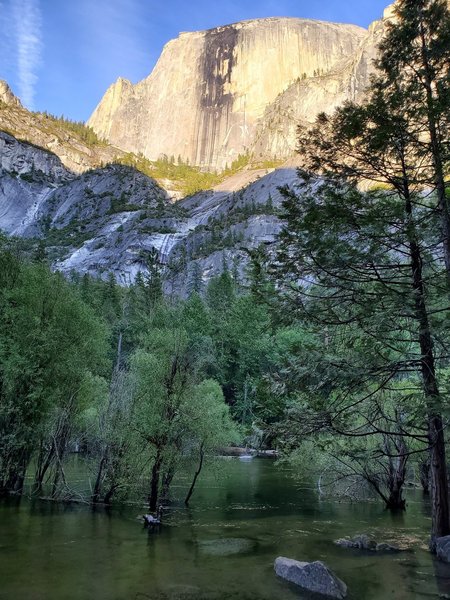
239, 89
108, 220
210, 89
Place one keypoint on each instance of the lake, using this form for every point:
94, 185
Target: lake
242, 516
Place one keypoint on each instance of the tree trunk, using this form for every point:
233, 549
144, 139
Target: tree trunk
108, 496
166, 481
98, 482
154, 482
424, 474
440, 525
16, 476
397, 475
197, 473
440, 521
43, 467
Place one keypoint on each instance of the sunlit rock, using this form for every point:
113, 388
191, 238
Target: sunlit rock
315, 577
209, 89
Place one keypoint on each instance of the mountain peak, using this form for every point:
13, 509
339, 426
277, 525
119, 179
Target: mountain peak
7, 96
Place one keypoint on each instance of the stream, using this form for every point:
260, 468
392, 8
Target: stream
243, 515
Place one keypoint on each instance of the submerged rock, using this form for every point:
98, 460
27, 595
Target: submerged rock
443, 548
315, 577
365, 542
227, 546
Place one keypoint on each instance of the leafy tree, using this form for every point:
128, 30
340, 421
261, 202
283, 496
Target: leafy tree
50, 344
210, 424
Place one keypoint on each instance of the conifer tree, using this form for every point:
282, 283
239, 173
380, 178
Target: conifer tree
399, 140
415, 57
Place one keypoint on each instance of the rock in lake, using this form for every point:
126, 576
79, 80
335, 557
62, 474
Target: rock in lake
443, 548
315, 577
364, 542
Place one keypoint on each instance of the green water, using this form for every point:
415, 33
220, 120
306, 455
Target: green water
222, 548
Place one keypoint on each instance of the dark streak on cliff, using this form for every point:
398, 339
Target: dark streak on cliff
218, 63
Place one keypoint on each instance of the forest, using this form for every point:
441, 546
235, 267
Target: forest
334, 351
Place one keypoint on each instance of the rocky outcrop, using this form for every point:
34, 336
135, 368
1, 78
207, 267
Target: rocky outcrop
7, 97
365, 542
109, 219
276, 133
28, 175
47, 133
443, 548
315, 577
210, 89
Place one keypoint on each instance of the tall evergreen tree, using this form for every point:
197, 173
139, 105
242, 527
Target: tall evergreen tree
415, 57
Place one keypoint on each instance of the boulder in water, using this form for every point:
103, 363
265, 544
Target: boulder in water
364, 542
443, 548
315, 577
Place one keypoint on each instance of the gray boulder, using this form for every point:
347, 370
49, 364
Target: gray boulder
364, 542
443, 548
315, 577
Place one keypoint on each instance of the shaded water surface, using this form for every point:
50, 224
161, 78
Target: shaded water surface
222, 548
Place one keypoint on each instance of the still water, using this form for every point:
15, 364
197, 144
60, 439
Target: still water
222, 548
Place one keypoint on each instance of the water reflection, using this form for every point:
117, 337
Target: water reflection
242, 516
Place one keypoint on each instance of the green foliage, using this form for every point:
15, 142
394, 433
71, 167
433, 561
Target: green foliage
50, 344
186, 179
77, 128
122, 205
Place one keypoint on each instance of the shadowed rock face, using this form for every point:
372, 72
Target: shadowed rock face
109, 219
209, 90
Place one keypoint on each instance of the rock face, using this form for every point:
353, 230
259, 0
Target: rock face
315, 577
210, 89
27, 176
443, 548
45, 132
365, 542
109, 219
6, 95
276, 132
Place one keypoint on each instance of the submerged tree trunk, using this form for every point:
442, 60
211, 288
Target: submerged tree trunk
15, 477
110, 493
154, 482
440, 525
98, 481
396, 477
43, 466
166, 482
197, 473
440, 520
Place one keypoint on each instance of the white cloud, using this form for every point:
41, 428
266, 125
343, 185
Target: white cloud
27, 24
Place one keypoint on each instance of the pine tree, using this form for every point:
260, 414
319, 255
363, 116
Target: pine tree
415, 56
195, 284
381, 141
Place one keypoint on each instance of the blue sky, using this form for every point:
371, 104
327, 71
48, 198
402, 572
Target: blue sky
61, 55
